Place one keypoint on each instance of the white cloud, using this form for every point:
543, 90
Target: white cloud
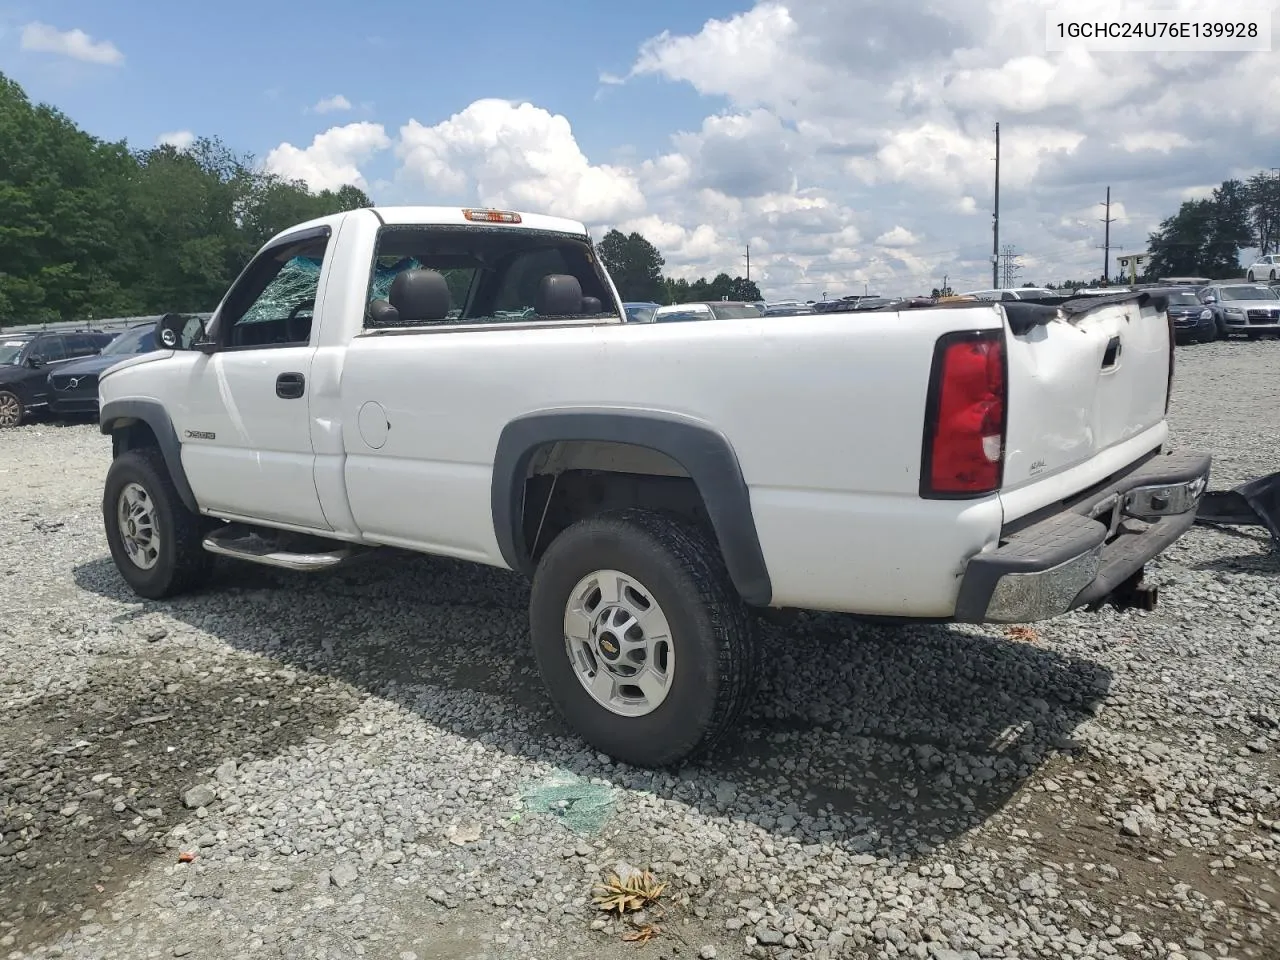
897, 237
332, 104
880, 115
1161, 140
178, 139
514, 155
333, 159
76, 44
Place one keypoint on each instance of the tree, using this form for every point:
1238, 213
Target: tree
634, 264
1262, 192
90, 229
1205, 236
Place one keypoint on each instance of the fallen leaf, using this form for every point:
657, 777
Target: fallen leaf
642, 935
1022, 633
185, 857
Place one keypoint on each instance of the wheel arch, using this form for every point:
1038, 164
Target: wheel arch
701, 451
141, 423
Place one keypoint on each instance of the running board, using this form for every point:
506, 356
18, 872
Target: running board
287, 551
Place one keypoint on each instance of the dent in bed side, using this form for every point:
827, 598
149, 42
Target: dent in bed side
117, 413
702, 452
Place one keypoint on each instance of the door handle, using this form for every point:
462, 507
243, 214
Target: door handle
1112, 354
290, 386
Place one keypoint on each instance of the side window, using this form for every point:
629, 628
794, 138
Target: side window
81, 345
274, 302
49, 349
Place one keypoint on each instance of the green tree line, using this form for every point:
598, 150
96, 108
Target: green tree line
92, 229
636, 268
1204, 237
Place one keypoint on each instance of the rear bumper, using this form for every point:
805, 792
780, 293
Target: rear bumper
1081, 555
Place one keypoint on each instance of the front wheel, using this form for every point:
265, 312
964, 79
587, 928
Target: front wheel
643, 643
155, 540
11, 412
1249, 276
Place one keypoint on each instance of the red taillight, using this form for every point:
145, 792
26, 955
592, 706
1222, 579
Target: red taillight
965, 416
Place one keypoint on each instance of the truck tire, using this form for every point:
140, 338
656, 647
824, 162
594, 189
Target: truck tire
155, 540
634, 595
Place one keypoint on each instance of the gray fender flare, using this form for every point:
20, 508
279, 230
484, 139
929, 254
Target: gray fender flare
154, 415
704, 453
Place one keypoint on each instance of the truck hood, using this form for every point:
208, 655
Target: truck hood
131, 361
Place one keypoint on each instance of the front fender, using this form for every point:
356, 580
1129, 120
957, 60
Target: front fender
119, 415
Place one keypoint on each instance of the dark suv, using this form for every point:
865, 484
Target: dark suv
26, 360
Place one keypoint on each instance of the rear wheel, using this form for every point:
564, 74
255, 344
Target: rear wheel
11, 411
1249, 276
155, 540
643, 643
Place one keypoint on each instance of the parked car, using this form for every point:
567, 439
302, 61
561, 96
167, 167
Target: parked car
789, 310
1252, 309
1193, 322
26, 360
640, 311
1264, 268
1013, 293
706, 310
73, 387
954, 463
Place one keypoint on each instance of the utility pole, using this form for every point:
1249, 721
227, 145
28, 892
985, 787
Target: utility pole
748, 262
995, 224
1106, 243
943, 291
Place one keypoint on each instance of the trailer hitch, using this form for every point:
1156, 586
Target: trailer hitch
1132, 594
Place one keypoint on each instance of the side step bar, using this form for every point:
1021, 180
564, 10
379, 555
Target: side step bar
289, 551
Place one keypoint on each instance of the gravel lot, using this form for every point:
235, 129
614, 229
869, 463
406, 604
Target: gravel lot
341, 759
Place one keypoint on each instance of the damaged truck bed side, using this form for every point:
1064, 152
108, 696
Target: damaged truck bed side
464, 383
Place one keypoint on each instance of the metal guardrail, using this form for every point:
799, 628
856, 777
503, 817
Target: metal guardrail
106, 324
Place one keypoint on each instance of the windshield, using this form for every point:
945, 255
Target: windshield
1248, 293
692, 313
10, 350
640, 314
734, 311
1181, 299
138, 340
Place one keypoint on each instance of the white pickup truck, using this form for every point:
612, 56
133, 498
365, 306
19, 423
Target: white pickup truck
463, 383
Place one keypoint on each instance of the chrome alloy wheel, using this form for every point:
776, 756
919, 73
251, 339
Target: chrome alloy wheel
619, 642
135, 511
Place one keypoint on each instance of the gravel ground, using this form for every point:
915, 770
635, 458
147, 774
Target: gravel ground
285, 766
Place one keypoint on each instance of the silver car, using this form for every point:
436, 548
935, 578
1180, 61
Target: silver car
1249, 308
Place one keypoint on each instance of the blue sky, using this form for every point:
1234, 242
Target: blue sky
846, 143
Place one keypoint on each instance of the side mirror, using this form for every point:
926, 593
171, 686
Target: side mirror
1209, 301
35, 363
179, 331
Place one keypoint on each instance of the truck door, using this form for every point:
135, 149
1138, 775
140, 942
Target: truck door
246, 432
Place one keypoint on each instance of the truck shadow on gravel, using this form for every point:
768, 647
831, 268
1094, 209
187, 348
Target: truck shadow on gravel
889, 740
